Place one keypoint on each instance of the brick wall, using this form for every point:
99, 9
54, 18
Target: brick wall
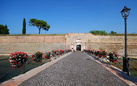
32, 39
31, 44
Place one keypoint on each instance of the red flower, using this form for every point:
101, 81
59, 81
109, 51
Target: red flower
100, 56
16, 53
117, 54
115, 61
14, 60
44, 55
26, 56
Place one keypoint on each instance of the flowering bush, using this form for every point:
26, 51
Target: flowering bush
18, 59
67, 50
53, 53
89, 50
100, 54
37, 57
47, 55
57, 52
93, 51
113, 56
104, 53
96, 53
61, 51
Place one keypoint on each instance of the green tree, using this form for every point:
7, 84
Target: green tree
4, 29
1, 28
47, 28
97, 32
112, 32
24, 26
41, 24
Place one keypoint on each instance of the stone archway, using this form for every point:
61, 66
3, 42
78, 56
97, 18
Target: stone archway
78, 47
84, 39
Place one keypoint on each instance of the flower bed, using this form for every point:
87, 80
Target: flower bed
47, 55
37, 57
113, 56
18, 59
104, 53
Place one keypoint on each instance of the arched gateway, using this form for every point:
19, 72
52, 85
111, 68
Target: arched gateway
78, 41
78, 47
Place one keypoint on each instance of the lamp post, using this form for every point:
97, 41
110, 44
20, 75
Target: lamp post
125, 13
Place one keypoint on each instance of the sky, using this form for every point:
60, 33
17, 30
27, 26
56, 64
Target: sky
68, 16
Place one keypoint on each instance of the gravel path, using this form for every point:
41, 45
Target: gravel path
77, 69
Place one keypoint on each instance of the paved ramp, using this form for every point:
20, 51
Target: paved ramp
76, 69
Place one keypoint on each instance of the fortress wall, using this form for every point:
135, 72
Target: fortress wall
7, 48
115, 39
119, 47
32, 39
30, 44
115, 43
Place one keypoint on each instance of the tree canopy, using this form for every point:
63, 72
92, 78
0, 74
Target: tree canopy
112, 32
4, 29
97, 32
40, 24
24, 26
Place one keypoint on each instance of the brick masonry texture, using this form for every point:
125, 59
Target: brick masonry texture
32, 39
31, 44
7, 48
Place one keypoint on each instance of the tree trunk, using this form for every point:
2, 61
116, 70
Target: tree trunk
39, 30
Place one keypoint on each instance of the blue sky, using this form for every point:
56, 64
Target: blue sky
68, 16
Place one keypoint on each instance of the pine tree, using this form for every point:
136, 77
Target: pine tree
24, 26
41, 24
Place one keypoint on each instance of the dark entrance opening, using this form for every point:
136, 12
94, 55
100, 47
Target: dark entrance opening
78, 47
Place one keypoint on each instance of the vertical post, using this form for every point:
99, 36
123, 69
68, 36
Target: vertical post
125, 37
126, 59
125, 13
